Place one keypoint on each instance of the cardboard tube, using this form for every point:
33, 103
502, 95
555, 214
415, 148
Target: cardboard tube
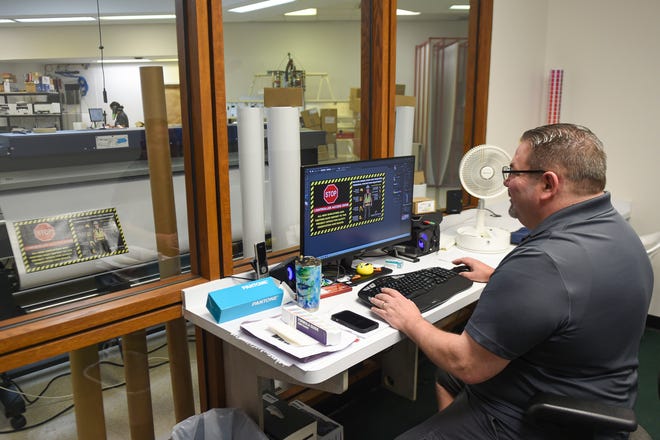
167, 240
138, 387
87, 393
160, 169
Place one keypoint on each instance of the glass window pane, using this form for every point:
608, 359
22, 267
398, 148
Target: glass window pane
321, 55
76, 189
431, 65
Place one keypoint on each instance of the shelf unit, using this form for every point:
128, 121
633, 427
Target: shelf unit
31, 120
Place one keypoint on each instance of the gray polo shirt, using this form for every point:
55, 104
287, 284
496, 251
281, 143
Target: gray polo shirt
568, 308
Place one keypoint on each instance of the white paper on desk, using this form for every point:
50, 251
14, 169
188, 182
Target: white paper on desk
259, 329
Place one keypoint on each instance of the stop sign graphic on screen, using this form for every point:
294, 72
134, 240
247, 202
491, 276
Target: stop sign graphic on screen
330, 194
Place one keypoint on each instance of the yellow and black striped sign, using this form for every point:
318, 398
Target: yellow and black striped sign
346, 202
61, 240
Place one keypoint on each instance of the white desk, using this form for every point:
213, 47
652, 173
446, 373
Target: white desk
247, 359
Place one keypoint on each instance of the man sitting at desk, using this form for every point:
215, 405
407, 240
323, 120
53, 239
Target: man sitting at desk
562, 313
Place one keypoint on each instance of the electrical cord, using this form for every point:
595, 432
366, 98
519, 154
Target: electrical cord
492, 213
41, 394
26, 396
43, 422
98, 19
236, 277
65, 410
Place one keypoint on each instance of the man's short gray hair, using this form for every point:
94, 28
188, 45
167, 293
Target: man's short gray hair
570, 150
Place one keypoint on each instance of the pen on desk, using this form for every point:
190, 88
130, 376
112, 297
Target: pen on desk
398, 264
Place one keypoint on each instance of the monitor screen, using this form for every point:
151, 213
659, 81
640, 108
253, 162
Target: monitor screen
351, 207
96, 114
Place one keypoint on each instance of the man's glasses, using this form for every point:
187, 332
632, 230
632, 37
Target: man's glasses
507, 171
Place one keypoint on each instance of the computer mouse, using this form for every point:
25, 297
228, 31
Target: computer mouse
364, 269
461, 268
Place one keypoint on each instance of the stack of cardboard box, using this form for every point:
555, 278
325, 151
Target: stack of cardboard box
283, 97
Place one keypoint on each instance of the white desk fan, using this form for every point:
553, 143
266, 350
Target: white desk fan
481, 176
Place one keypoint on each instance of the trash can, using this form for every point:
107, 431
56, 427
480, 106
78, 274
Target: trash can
218, 424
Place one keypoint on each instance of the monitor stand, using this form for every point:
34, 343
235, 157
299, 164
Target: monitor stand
344, 267
399, 253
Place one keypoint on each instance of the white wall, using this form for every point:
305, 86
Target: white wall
52, 42
250, 48
608, 50
321, 47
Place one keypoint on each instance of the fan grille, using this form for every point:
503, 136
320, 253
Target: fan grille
480, 171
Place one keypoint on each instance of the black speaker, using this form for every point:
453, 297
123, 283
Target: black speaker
425, 235
454, 201
286, 272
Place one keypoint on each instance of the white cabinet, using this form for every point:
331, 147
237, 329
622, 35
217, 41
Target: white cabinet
30, 110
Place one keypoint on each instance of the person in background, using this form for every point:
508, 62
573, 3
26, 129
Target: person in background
563, 312
119, 117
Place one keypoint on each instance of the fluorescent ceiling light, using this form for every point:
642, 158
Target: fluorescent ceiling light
53, 19
165, 60
260, 5
139, 17
127, 60
460, 7
6, 20
302, 12
404, 12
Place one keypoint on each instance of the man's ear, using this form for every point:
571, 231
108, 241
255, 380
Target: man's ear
550, 182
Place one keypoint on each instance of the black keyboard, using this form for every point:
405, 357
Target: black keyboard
427, 288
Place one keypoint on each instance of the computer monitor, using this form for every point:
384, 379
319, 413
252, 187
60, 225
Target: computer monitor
351, 207
96, 114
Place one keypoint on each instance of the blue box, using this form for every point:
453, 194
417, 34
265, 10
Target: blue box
244, 299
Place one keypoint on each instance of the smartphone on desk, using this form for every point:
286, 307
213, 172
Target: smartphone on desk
354, 321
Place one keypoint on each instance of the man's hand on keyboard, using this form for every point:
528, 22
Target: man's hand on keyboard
399, 312
479, 271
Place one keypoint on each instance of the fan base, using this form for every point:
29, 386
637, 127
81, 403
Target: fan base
488, 240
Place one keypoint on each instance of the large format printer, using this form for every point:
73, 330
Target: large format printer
60, 186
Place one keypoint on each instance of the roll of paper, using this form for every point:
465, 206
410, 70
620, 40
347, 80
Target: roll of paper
284, 171
554, 95
251, 166
403, 130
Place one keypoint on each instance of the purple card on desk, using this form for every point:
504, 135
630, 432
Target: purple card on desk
303, 353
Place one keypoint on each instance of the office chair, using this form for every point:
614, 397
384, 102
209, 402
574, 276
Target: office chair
651, 243
573, 418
